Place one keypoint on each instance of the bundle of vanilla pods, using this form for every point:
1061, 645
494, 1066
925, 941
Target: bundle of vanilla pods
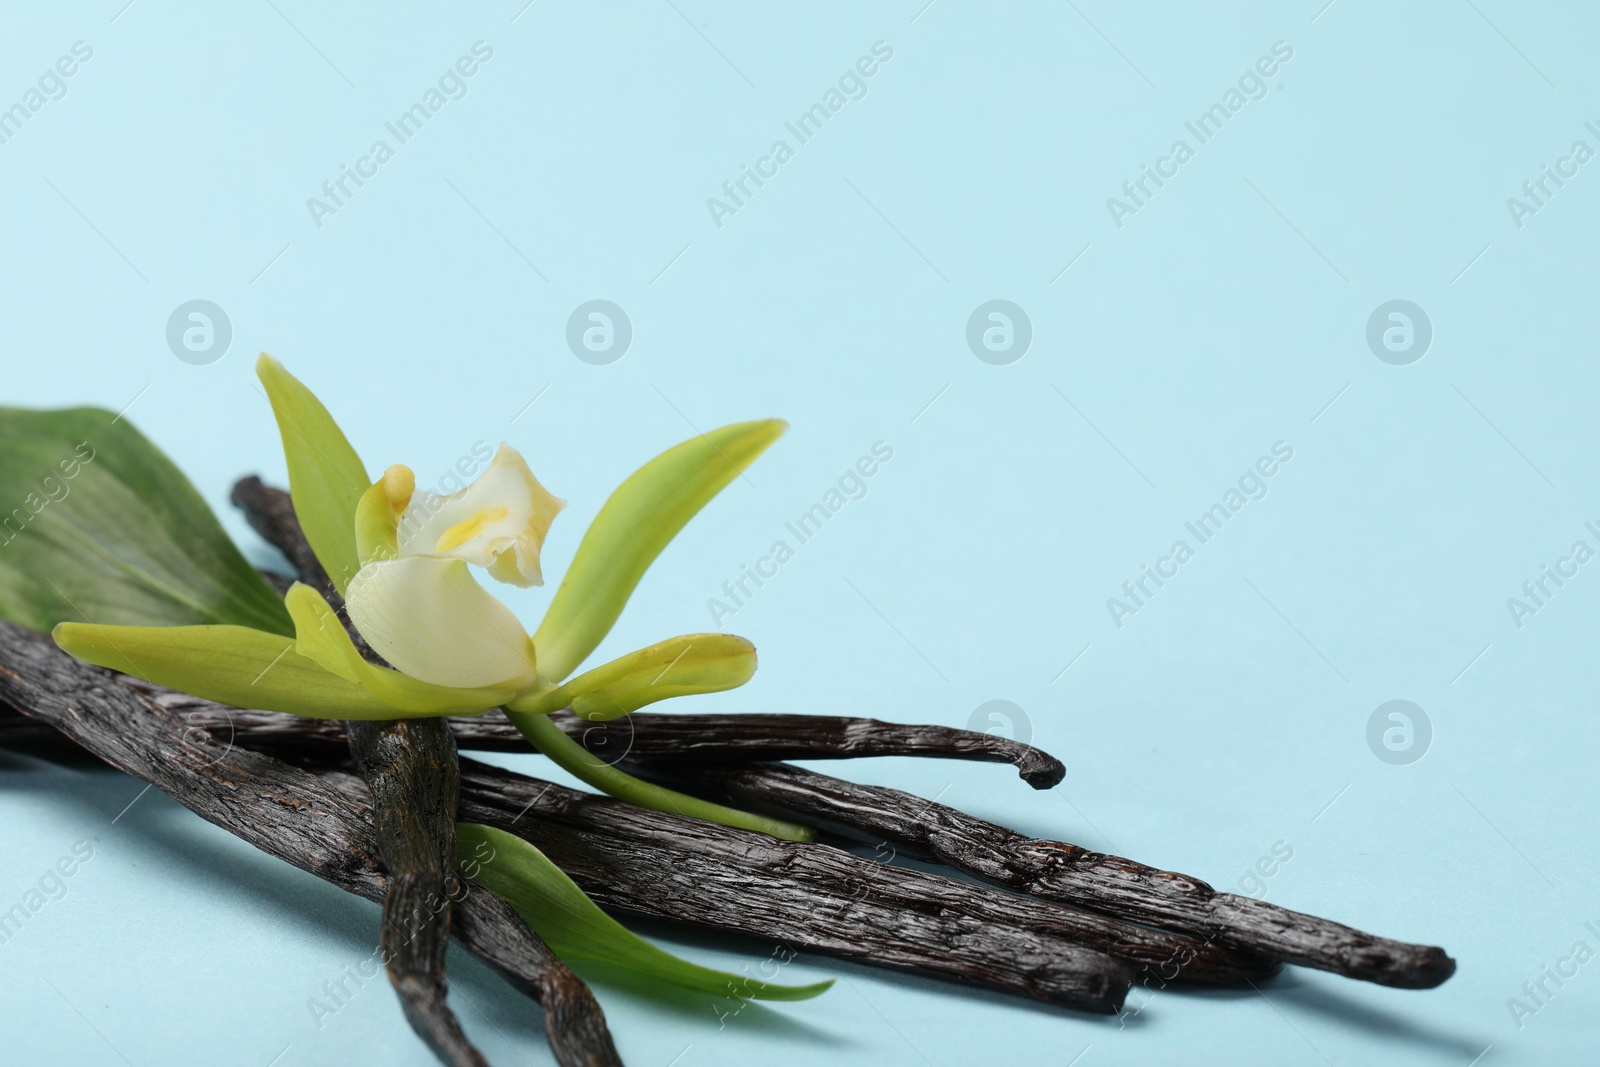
1041, 919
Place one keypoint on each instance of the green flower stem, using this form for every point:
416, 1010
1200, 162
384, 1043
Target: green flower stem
584, 765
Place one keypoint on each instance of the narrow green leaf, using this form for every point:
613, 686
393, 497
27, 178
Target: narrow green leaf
575, 927
326, 478
229, 664
96, 523
320, 636
678, 666
644, 513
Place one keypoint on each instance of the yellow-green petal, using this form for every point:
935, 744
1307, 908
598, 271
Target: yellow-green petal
229, 664
320, 636
326, 478
378, 514
576, 929
679, 666
644, 513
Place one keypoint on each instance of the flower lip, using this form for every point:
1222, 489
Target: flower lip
498, 522
432, 620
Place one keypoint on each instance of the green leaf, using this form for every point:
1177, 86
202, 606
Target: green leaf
229, 664
320, 636
326, 478
96, 523
634, 525
679, 666
575, 927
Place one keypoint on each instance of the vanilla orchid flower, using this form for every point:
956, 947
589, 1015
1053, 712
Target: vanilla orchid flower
403, 559
406, 560
414, 599
402, 563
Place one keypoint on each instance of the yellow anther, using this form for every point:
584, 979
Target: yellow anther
398, 485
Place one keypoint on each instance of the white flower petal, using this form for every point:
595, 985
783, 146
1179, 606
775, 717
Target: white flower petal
432, 620
497, 522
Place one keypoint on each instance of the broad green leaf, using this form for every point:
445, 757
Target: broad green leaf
326, 478
99, 525
229, 664
635, 524
576, 929
679, 666
320, 636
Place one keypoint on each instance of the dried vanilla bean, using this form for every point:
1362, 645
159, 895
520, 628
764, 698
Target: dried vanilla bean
319, 823
410, 766
938, 833
746, 738
672, 867
626, 888
846, 905
1058, 871
711, 739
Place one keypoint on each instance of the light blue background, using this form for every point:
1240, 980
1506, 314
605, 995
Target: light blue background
1228, 715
